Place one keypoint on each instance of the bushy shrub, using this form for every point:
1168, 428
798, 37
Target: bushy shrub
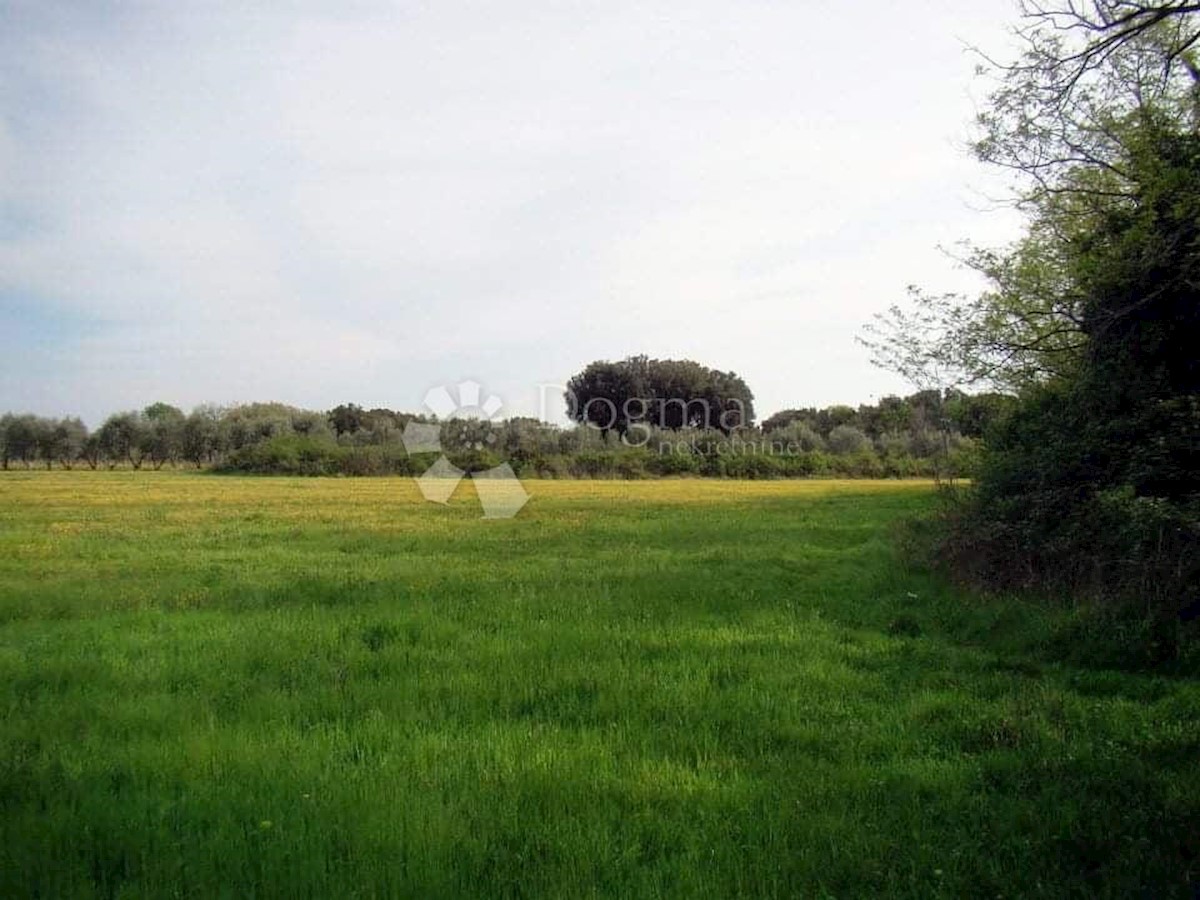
474, 460
673, 464
750, 465
964, 460
550, 467
900, 465
583, 438
591, 464
287, 454
796, 437
632, 464
861, 464
1129, 562
928, 442
296, 454
1056, 509
359, 460
894, 444
846, 439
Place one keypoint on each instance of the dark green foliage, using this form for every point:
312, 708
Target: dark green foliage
1088, 484
273, 438
200, 436
474, 460
27, 439
907, 432
298, 454
673, 464
662, 393
124, 438
287, 455
974, 415
904, 625
1091, 486
164, 432
346, 419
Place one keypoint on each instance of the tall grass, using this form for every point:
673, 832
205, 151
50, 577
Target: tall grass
320, 687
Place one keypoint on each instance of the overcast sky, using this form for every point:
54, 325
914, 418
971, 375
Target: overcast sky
322, 203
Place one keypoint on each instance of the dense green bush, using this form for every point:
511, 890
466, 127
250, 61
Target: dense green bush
287, 454
744, 465
1090, 486
297, 454
1058, 508
673, 464
473, 460
292, 454
591, 464
845, 439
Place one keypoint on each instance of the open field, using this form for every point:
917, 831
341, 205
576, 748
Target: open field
325, 687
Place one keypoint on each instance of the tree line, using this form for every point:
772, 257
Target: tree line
900, 436
162, 434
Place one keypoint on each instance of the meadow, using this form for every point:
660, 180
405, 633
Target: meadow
287, 687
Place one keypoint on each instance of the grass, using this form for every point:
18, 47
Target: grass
218, 686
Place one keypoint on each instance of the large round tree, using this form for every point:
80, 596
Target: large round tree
665, 393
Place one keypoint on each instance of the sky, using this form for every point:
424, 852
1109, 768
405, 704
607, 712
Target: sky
358, 201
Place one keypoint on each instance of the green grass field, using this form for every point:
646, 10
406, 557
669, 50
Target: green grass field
218, 686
